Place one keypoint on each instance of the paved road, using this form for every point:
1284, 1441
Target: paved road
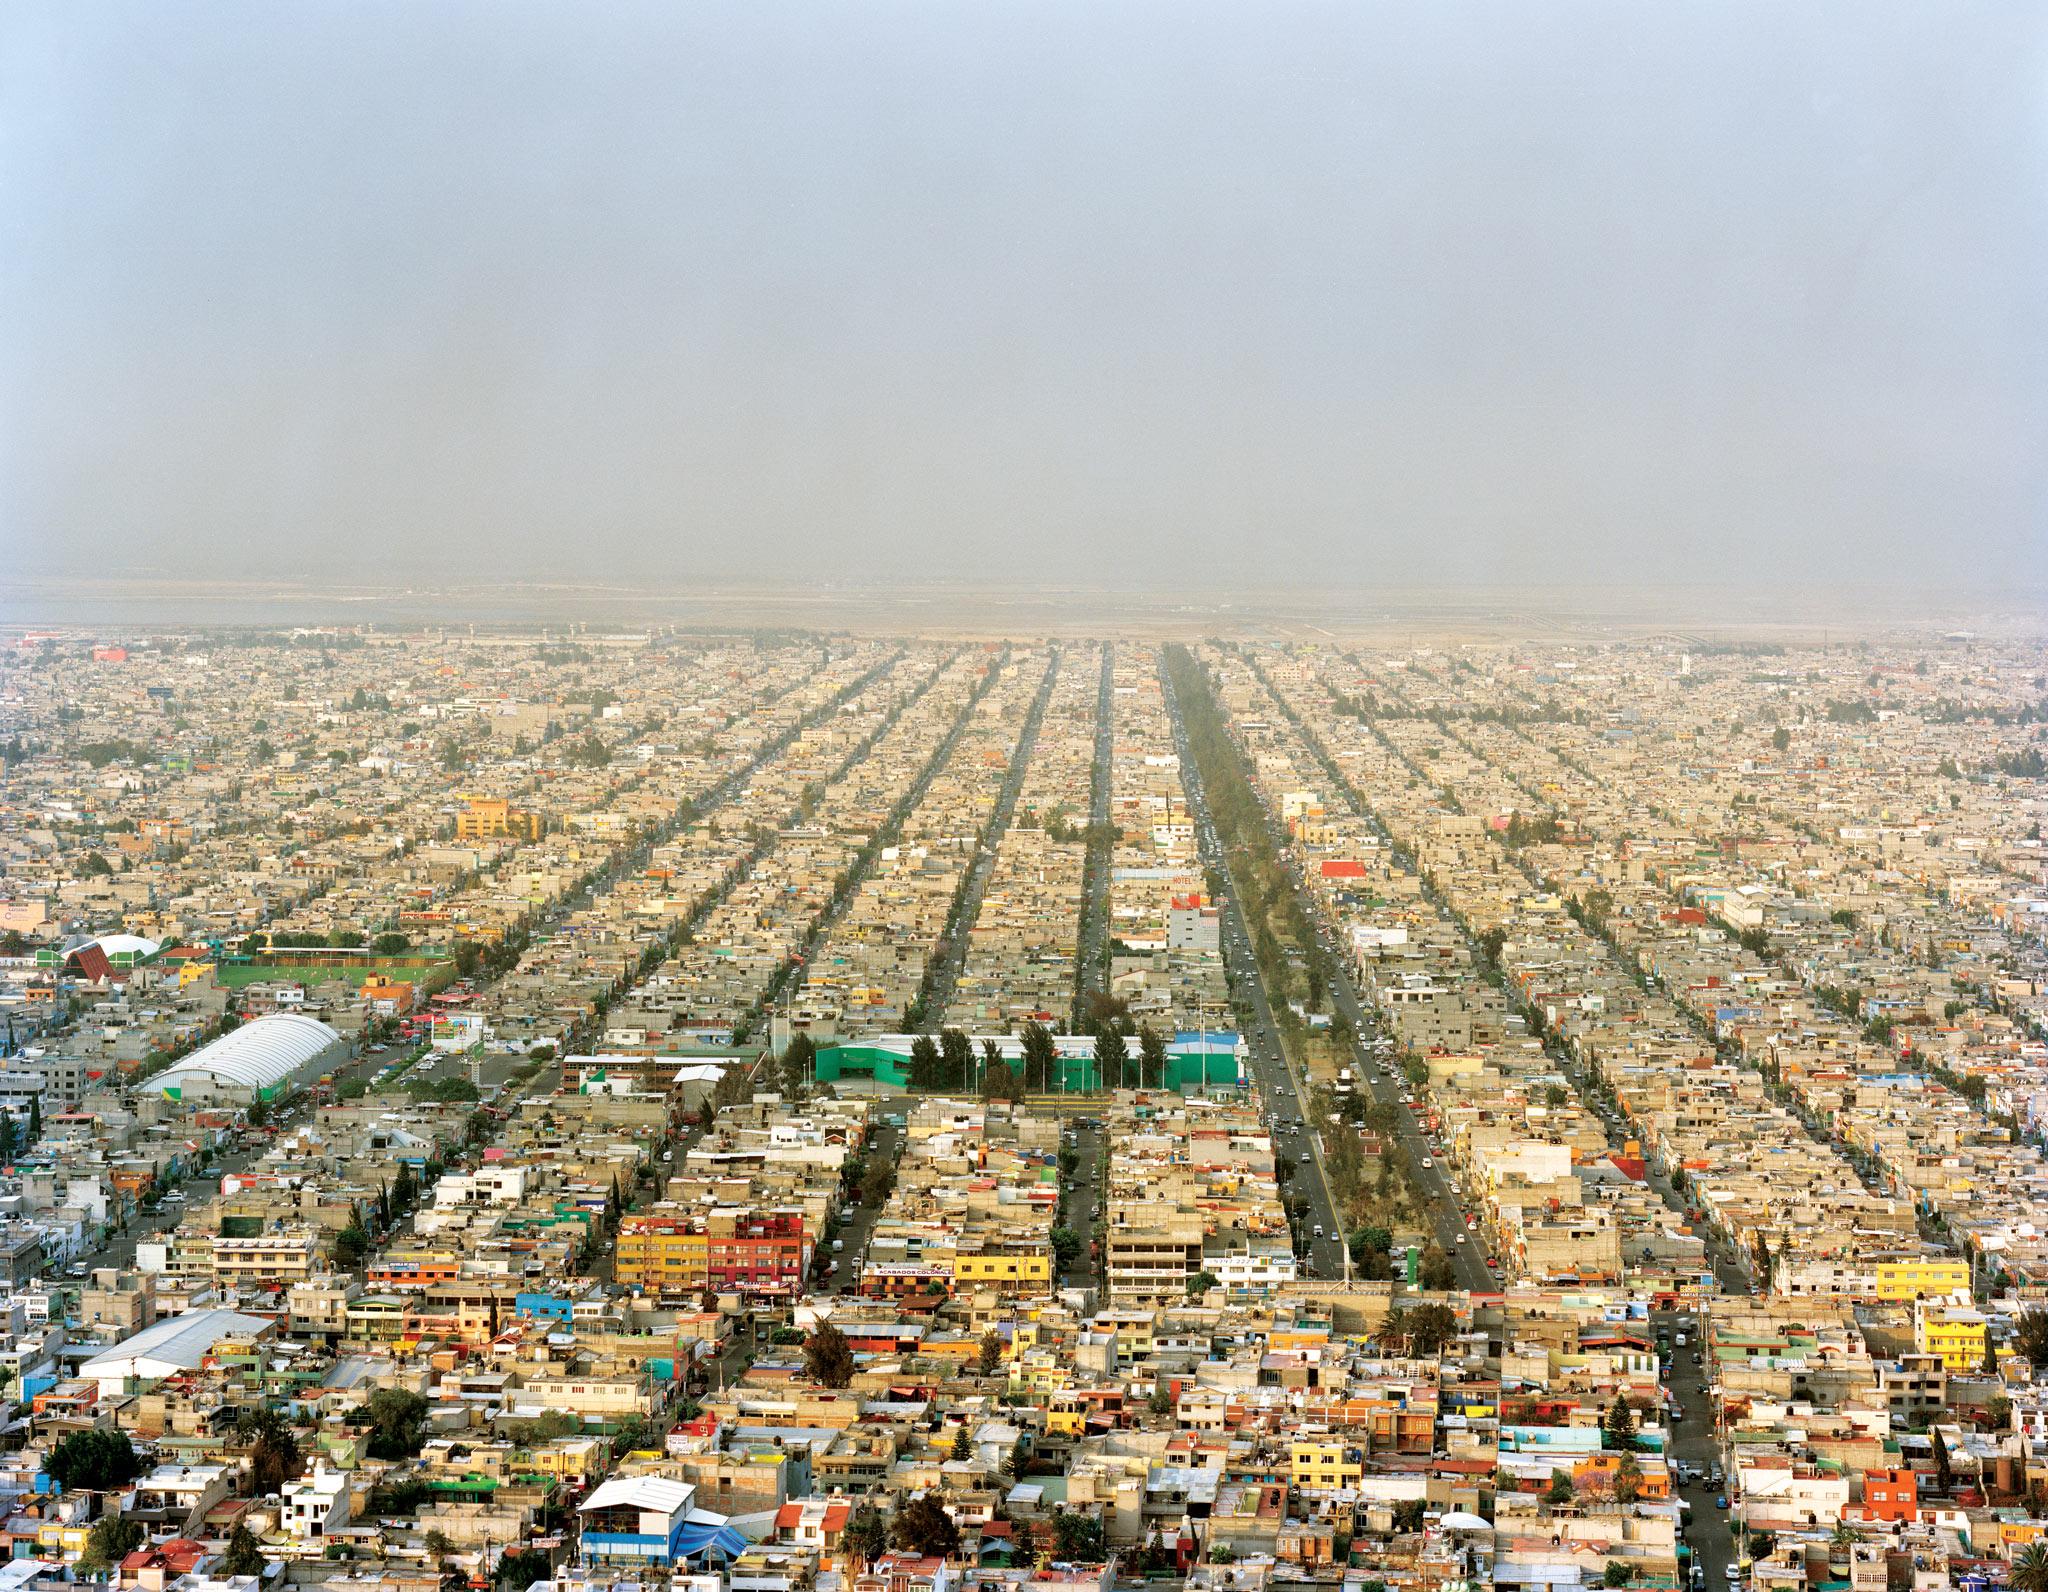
1285, 1103
1446, 1213
1712, 1540
120, 1249
1730, 1268
1093, 949
144, 1227
792, 974
1469, 1256
1081, 1202
1275, 1073
1279, 1090
857, 1227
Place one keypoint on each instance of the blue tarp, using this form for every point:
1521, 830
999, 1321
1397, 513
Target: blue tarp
704, 1534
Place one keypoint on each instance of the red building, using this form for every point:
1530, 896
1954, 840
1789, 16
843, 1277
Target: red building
903, 1337
760, 1254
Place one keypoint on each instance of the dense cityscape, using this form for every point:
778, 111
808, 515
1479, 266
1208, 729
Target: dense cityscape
781, 1111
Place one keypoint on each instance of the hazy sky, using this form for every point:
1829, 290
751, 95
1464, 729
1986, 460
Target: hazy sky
1436, 293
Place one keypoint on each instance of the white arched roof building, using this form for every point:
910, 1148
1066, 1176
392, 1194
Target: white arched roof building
119, 945
258, 1059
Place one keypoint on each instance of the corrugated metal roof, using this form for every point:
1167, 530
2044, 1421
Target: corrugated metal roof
176, 1343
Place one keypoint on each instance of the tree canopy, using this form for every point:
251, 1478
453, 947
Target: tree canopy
1151, 1059
244, 1555
1427, 1328
828, 1357
94, 1461
1077, 1537
1112, 1057
521, 1567
273, 1449
923, 1526
398, 1423
2032, 1337
867, 1534
1041, 1056
113, 1537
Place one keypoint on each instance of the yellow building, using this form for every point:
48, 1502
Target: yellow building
1326, 1462
62, 1539
1907, 1280
662, 1254
1064, 1415
1955, 1332
2019, 1532
1007, 1267
494, 818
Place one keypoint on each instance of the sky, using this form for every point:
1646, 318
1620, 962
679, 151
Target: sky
1144, 296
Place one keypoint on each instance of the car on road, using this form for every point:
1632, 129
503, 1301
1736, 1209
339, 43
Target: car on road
1721, 1502
1428, 1164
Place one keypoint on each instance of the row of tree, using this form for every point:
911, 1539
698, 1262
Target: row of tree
948, 1062
1266, 895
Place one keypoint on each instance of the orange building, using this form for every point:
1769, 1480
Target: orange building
416, 1270
391, 997
493, 818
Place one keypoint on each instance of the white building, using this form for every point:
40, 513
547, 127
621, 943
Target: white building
315, 1505
169, 1347
270, 1056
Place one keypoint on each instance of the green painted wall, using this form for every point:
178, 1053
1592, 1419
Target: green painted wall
1189, 1072
863, 1061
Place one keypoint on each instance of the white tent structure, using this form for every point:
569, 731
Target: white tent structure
257, 1060
117, 946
